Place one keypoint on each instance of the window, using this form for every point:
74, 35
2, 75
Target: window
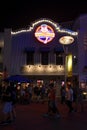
44, 58
59, 59
30, 58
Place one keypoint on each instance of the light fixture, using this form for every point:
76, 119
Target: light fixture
65, 40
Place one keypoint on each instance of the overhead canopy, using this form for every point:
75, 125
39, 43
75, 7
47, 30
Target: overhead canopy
17, 78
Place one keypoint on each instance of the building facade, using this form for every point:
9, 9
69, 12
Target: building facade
41, 50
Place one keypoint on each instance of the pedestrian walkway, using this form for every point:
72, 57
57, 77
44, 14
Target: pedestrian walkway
29, 117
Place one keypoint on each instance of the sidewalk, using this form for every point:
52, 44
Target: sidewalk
29, 117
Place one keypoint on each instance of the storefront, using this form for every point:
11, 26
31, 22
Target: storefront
40, 51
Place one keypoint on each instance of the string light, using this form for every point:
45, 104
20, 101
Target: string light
57, 27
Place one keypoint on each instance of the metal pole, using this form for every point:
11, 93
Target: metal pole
65, 53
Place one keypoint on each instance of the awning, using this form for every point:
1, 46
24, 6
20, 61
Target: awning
17, 78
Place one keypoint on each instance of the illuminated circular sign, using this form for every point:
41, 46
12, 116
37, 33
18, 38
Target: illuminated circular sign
66, 40
44, 33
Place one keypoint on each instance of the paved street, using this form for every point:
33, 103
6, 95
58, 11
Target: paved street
29, 117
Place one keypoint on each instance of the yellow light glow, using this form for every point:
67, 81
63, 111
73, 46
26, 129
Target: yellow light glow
69, 65
43, 69
84, 93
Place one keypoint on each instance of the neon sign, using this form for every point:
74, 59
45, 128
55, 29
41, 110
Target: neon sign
44, 33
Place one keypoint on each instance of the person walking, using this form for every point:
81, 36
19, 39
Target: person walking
69, 97
14, 100
63, 94
80, 99
52, 104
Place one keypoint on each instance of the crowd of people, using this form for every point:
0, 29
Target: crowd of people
10, 96
71, 96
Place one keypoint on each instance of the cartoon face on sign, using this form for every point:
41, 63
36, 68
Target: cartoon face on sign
44, 33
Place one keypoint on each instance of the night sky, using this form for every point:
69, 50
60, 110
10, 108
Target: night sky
19, 14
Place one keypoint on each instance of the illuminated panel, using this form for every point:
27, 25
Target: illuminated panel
44, 33
69, 65
66, 40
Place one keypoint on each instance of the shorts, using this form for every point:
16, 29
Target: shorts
7, 107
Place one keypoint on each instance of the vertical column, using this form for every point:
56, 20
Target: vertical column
82, 52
